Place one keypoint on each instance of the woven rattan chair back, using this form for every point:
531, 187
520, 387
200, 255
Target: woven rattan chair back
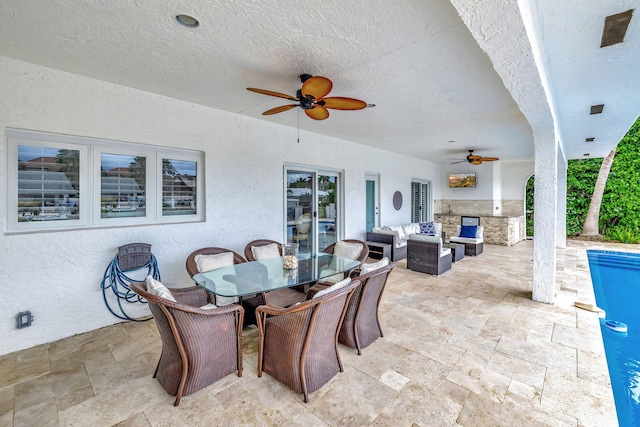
299, 345
209, 346
363, 255
192, 267
361, 324
248, 254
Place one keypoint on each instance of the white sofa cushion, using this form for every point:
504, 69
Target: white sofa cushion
387, 230
427, 238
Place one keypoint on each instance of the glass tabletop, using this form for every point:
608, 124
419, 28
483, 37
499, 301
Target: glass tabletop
254, 277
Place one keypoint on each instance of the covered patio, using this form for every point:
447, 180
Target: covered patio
468, 348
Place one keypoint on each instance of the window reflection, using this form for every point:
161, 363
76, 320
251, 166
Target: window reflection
179, 187
48, 184
123, 185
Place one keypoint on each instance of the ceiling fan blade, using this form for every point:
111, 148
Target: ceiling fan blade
472, 157
340, 103
489, 159
476, 162
317, 86
279, 109
272, 93
318, 112
455, 163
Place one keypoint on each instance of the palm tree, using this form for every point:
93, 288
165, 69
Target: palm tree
591, 222
138, 169
69, 161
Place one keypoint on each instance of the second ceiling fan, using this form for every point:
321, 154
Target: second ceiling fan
476, 160
311, 98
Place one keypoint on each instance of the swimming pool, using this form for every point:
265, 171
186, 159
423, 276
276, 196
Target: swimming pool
616, 284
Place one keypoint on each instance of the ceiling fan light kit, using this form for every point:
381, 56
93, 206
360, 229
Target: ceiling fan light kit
311, 98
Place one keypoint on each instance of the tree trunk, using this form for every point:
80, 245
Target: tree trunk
591, 222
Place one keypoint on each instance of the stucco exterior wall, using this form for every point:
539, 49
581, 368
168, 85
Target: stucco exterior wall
57, 275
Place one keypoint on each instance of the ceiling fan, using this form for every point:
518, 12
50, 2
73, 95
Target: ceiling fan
311, 98
476, 160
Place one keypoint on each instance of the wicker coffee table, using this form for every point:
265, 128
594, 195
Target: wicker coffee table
457, 250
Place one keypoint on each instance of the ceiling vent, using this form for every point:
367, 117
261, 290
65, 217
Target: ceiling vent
589, 139
615, 28
596, 109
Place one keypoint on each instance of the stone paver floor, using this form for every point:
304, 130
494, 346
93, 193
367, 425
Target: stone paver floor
466, 348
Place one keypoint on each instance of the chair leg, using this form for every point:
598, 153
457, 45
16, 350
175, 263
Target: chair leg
261, 321
239, 323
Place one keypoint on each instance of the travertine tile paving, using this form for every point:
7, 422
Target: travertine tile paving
467, 348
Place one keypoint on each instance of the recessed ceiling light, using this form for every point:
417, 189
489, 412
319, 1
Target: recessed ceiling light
596, 109
591, 139
615, 28
187, 21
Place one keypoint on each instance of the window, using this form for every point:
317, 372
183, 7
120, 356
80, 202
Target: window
420, 201
62, 182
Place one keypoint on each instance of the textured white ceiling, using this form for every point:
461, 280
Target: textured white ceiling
414, 59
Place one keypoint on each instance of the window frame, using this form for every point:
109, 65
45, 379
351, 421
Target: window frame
90, 191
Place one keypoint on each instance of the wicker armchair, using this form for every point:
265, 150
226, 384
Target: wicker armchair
361, 325
299, 345
364, 254
427, 256
248, 253
199, 346
281, 297
192, 267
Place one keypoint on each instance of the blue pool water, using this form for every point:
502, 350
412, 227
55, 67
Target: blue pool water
616, 284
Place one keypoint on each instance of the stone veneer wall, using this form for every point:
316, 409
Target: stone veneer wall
480, 207
498, 230
513, 207
465, 207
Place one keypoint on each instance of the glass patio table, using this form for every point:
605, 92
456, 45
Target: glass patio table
254, 277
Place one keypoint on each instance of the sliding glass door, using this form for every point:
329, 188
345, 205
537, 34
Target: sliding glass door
312, 208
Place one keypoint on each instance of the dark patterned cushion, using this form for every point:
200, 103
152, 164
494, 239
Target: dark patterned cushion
427, 228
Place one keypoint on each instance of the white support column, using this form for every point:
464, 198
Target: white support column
544, 223
507, 32
561, 220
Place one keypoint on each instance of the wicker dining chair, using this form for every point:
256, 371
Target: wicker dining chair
299, 345
361, 325
281, 297
192, 266
199, 346
248, 253
364, 254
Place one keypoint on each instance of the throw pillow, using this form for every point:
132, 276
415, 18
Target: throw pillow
213, 262
335, 287
428, 228
368, 268
158, 289
468, 231
347, 249
265, 252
